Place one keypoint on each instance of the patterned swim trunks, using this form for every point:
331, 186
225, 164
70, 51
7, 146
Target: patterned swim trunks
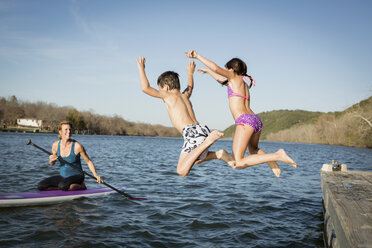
193, 136
252, 120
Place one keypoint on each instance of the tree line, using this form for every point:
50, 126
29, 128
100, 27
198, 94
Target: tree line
83, 122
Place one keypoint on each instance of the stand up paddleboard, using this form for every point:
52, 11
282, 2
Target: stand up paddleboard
47, 197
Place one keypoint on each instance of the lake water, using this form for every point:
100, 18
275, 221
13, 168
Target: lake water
215, 206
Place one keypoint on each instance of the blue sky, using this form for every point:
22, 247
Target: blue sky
310, 55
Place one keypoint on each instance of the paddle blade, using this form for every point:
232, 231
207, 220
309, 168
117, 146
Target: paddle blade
138, 199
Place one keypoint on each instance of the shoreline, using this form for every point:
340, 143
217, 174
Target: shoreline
37, 130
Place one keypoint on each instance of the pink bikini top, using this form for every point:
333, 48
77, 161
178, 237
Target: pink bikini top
231, 93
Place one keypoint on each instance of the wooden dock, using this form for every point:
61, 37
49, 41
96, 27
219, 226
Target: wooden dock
347, 206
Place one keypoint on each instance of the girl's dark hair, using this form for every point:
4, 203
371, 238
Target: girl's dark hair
239, 67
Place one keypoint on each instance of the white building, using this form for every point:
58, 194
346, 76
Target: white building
29, 123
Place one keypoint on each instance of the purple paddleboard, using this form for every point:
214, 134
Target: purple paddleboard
47, 197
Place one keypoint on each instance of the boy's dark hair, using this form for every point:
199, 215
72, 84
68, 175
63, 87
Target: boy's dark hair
239, 67
169, 78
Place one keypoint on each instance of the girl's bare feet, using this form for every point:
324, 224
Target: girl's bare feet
285, 158
275, 168
273, 165
226, 157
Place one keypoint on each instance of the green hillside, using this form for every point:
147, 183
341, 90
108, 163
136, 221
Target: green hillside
351, 127
277, 120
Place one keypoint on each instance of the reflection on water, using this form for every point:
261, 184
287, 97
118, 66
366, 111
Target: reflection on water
215, 206
64, 216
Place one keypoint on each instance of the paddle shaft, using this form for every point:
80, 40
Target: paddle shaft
77, 168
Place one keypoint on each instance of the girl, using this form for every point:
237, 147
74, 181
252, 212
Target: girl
248, 125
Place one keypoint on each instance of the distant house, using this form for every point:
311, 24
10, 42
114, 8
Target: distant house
29, 123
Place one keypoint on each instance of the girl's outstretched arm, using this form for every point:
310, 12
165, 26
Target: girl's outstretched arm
211, 65
217, 77
145, 85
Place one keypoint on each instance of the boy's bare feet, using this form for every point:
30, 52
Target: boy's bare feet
214, 136
285, 158
226, 157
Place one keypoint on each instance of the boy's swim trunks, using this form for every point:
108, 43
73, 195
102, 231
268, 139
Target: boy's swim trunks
193, 136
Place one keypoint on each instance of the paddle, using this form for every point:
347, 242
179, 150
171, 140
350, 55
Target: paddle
77, 168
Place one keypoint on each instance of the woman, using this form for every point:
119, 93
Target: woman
69, 150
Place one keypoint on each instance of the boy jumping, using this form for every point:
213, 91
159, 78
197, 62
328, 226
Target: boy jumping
197, 138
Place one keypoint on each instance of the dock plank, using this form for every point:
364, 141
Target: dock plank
347, 198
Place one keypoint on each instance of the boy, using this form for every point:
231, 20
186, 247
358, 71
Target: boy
197, 138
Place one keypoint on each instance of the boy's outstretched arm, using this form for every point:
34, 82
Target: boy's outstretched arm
211, 65
145, 85
190, 78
